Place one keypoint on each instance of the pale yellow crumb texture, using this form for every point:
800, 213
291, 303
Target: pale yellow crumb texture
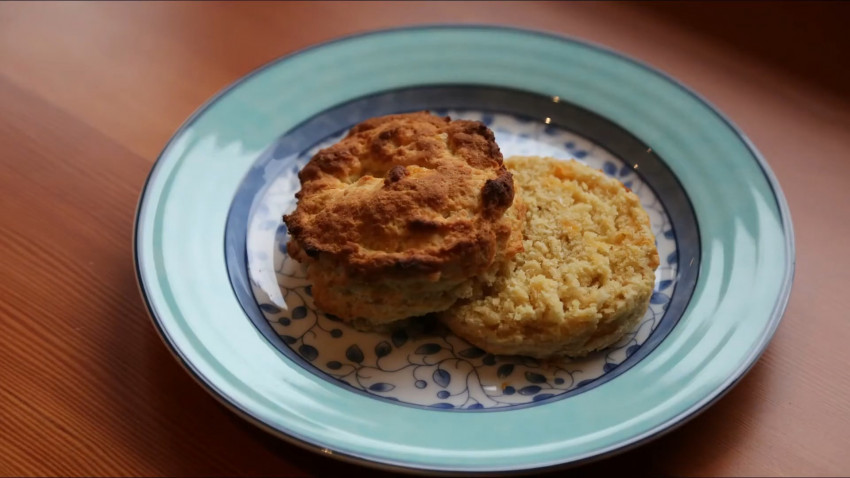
585, 275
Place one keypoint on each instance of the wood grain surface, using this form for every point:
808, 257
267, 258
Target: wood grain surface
91, 92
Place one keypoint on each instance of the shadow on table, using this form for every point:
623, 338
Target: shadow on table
805, 40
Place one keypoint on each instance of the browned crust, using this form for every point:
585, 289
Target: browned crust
406, 195
497, 194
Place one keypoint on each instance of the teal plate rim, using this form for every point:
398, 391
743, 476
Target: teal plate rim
383, 461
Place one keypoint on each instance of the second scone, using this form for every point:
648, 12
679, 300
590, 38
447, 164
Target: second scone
585, 275
404, 216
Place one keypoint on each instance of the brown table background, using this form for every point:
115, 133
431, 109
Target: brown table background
91, 92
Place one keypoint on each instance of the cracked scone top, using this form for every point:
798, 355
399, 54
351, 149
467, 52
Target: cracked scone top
584, 277
404, 216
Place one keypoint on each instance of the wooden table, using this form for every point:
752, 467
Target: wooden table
90, 93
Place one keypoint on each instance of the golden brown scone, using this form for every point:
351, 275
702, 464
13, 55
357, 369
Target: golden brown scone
585, 275
404, 216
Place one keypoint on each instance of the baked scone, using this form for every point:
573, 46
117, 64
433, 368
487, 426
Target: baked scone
585, 275
403, 217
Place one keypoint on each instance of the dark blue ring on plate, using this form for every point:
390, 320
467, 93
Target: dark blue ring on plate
653, 171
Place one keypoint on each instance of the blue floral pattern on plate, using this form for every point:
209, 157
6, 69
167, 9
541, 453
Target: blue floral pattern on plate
424, 364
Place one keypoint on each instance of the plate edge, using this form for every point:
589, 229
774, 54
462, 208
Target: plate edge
776, 315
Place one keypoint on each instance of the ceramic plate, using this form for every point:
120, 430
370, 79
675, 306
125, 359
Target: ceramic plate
238, 313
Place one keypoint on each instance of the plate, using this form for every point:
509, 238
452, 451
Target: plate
237, 312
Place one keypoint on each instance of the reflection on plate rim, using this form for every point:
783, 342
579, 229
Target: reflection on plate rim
671, 424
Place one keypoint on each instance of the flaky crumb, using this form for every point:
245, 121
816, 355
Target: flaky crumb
585, 275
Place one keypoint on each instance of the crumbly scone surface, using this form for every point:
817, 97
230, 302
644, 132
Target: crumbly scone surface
585, 275
402, 216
